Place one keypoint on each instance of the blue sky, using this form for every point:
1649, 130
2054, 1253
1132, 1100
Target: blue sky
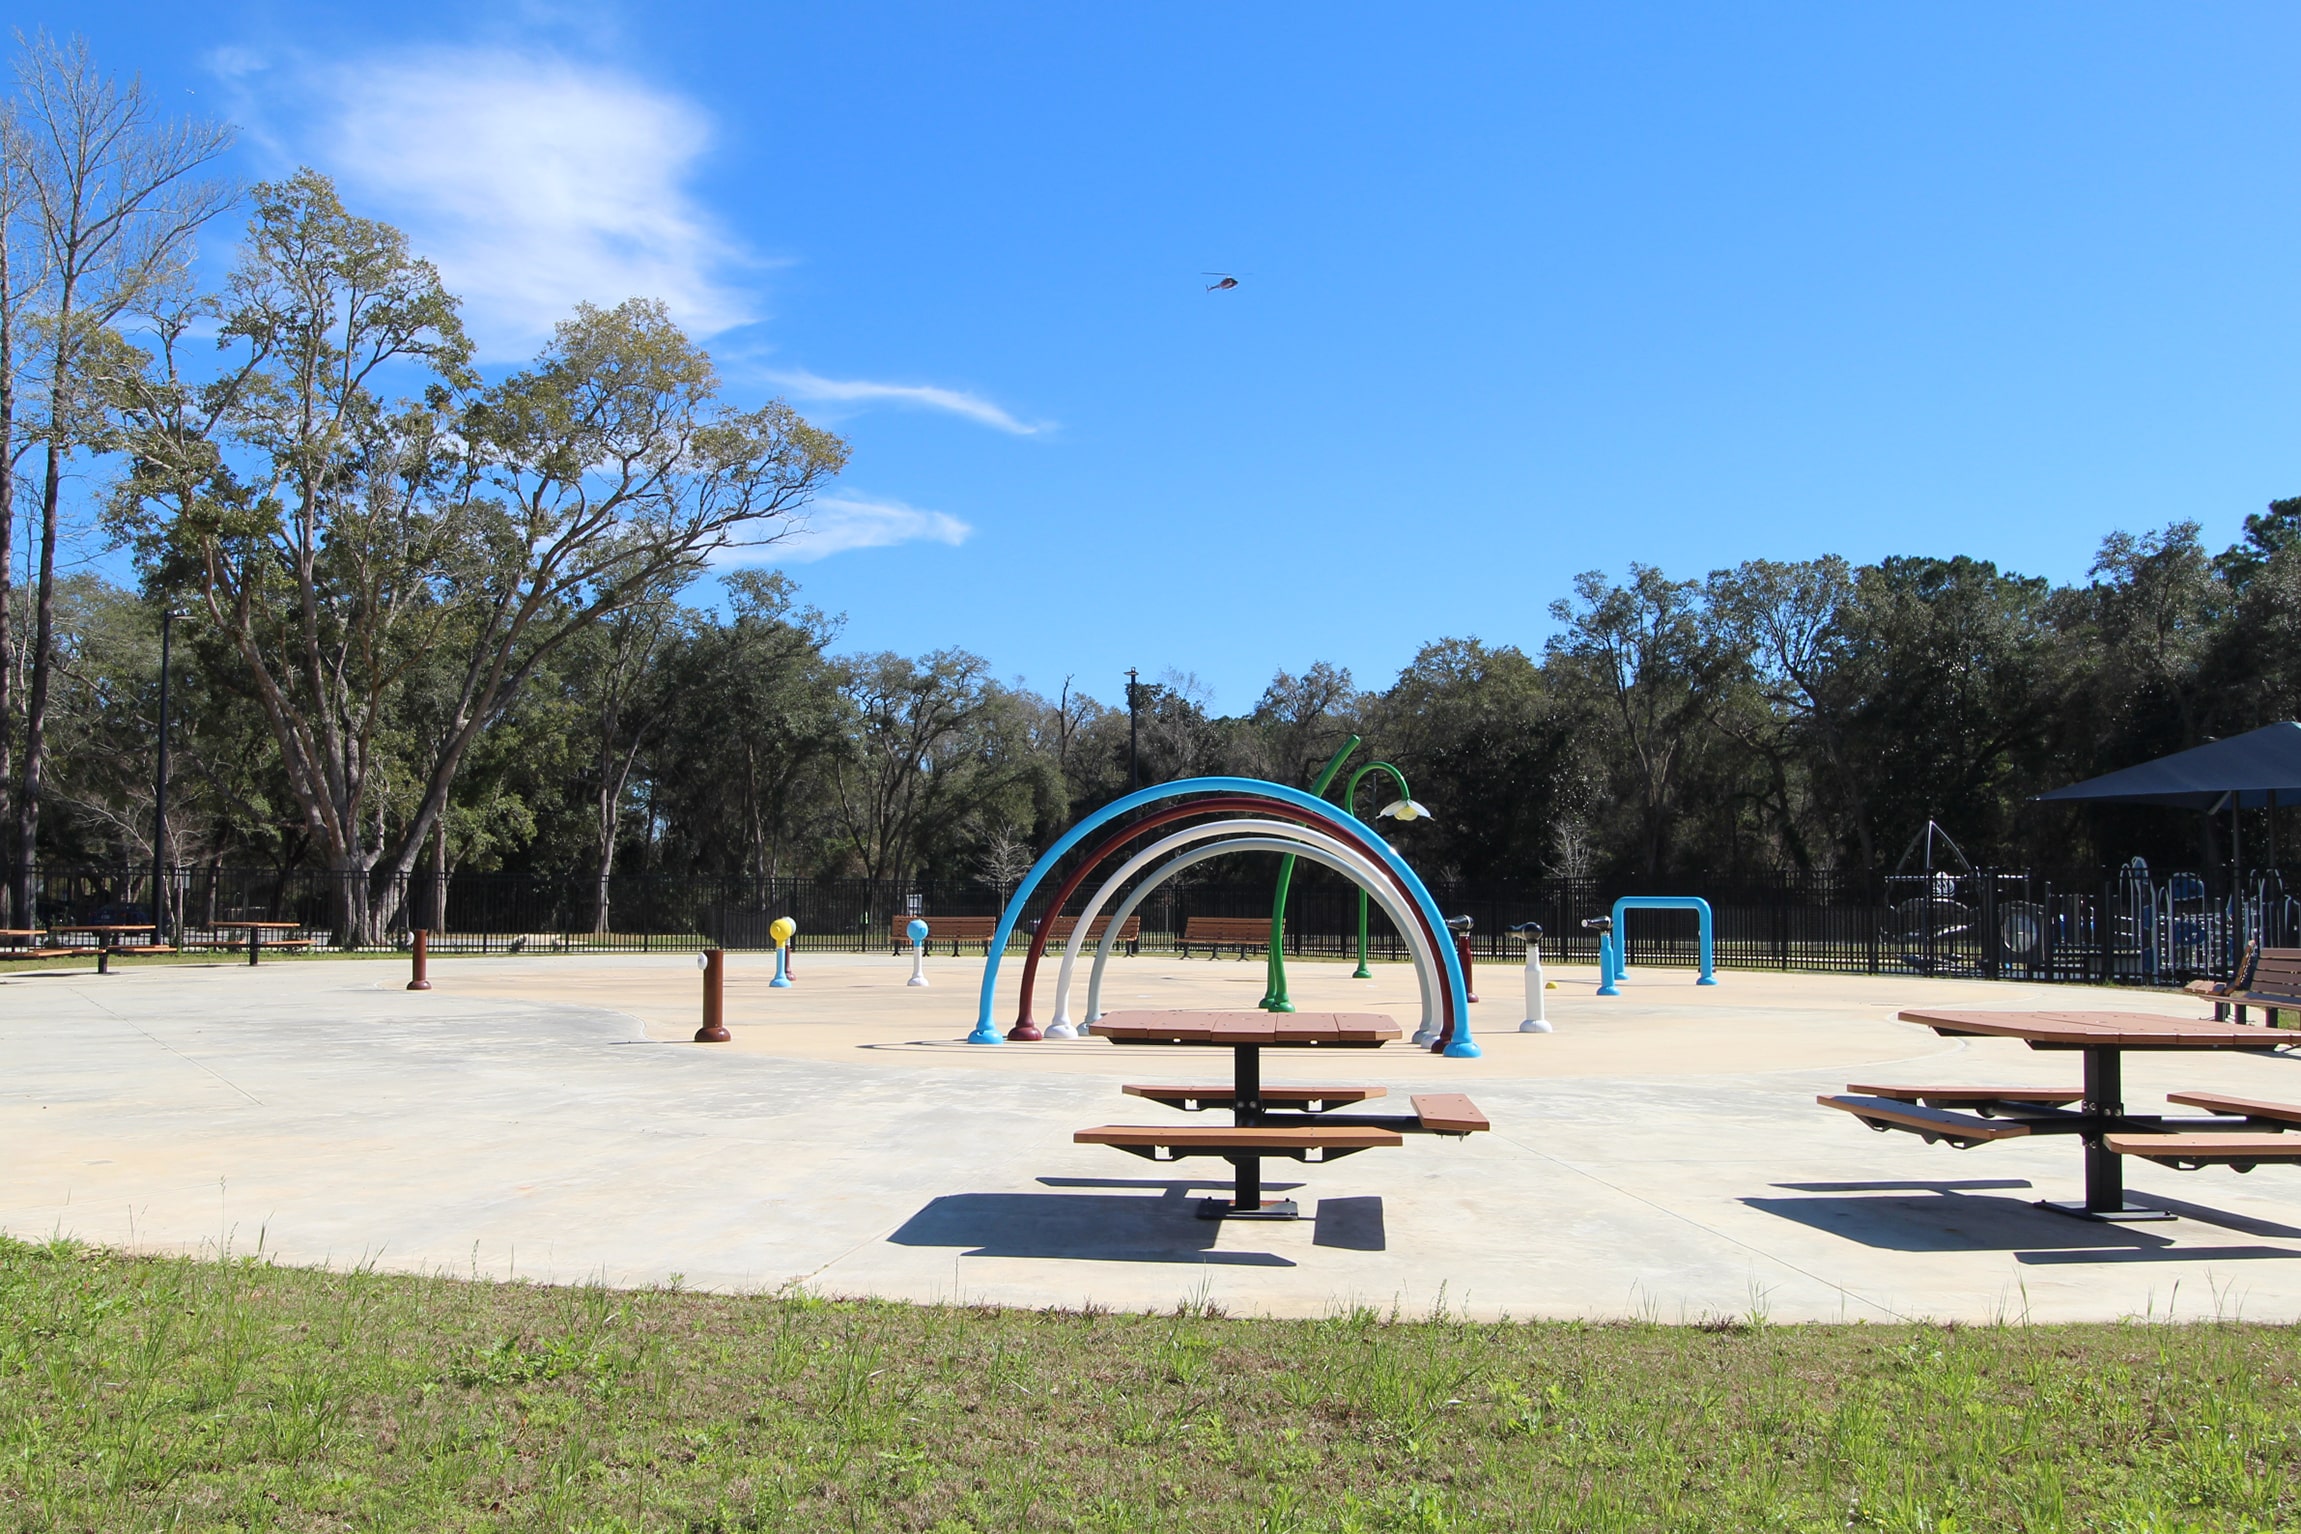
1525, 290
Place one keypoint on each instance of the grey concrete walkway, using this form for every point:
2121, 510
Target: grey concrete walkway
1660, 1155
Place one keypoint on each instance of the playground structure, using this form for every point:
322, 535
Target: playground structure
1613, 945
1259, 812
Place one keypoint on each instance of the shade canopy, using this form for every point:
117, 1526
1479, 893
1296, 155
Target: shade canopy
2254, 767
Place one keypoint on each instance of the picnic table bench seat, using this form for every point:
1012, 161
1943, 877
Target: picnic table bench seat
1962, 1130
1439, 1113
2239, 1107
2187, 1152
1195, 1099
1247, 934
1977, 1098
1449, 1113
1301, 1142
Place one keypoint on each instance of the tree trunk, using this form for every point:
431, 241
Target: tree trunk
43, 645
439, 874
10, 914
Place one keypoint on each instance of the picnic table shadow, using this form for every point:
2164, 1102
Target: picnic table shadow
1976, 1215
1127, 1223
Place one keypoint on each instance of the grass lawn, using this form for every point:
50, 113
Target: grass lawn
150, 1393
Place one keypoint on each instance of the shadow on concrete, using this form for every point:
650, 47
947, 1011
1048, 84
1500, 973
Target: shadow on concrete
2156, 1254
1972, 1184
1938, 1218
1354, 1224
1096, 1227
2221, 1217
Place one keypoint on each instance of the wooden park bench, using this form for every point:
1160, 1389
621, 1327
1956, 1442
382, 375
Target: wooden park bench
1248, 934
944, 929
2270, 979
1060, 929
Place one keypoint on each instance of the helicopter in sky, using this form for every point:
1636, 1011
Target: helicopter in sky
1227, 281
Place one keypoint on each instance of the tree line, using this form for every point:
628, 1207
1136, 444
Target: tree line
437, 622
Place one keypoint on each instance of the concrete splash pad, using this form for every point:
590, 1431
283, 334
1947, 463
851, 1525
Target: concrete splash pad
1659, 1156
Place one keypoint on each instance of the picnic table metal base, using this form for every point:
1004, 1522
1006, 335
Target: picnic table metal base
1269, 1209
2129, 1214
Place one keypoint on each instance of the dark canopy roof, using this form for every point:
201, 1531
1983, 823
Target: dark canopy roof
2252, 766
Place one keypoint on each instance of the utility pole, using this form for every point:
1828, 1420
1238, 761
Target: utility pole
1134, 736
168, 617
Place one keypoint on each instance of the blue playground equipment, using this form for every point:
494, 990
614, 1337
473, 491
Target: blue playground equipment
1614, 946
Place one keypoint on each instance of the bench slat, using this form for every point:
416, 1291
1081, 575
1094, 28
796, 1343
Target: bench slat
2243, 1107
1938, 1096
1450, 1113
1223, 1097
1252, 1138
2242, 1150
1965, 1128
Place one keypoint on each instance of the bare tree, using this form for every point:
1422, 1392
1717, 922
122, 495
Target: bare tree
623, 653
112, 197
911, 719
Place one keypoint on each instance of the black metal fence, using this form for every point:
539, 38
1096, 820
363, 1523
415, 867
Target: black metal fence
2121, 925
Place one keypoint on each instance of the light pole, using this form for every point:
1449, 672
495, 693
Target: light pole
1134, 770
1401, 809
168, 617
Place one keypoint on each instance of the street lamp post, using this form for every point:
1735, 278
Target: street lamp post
168, 617
1134, 770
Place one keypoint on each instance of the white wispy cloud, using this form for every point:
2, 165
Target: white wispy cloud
535, 184
841, 521
974, 407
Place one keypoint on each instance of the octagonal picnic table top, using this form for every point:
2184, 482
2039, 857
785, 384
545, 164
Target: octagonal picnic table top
1234, 1030
2112, 1030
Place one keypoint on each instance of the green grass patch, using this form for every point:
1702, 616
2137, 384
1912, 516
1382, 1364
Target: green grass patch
154, 1393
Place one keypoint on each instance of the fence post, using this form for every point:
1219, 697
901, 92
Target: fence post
1874, 916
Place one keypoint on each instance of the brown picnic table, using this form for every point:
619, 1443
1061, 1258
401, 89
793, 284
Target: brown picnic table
256, 930
31, 947
108, 935
1267, 1121
2095, 1111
